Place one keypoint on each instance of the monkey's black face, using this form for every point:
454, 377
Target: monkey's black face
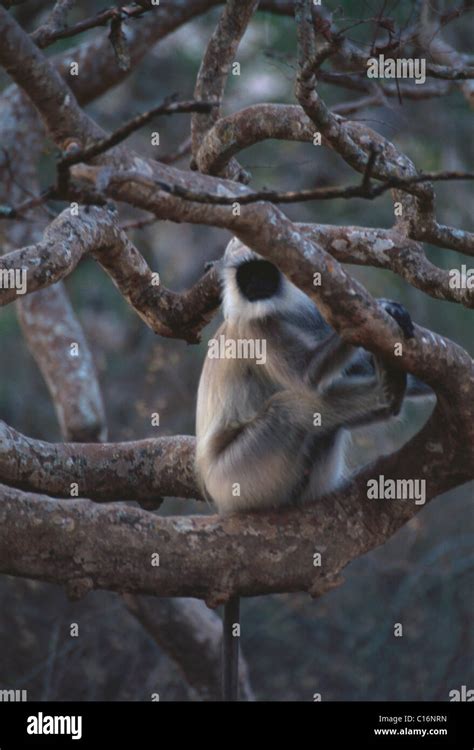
258, 279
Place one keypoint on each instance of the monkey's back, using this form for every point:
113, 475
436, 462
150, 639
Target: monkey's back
246, 457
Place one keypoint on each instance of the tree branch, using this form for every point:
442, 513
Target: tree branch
96, 231
39, 79
391, 250
142, 470
215, 67
55, 26
77, 543
50, 327
46, 317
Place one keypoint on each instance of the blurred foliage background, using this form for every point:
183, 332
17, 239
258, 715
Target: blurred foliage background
343, 645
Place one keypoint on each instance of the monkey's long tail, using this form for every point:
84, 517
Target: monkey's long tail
230, 651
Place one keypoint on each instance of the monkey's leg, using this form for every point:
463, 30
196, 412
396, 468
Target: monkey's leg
230, 650
256, 463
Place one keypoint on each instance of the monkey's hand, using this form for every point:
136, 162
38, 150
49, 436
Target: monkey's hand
400, 314
392, 381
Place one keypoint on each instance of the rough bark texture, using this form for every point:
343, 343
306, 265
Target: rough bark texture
143, 470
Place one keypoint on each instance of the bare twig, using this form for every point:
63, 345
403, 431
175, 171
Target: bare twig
51, 32
55, 25
167, 107
363, 190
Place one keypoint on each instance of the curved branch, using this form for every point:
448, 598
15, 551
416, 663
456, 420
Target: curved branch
215, 66
96, 231
260, 122
248, 126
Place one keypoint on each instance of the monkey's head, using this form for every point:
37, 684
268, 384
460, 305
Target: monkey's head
253, 287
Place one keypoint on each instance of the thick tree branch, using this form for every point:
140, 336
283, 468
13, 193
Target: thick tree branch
50, 328
392, 250
78, 543
31, 70
143, 471
48, 322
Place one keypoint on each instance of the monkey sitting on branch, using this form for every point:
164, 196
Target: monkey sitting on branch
271, 426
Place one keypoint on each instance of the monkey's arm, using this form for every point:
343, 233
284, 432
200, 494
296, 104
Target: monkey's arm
352, 402
328, 359
365, 399
332, 355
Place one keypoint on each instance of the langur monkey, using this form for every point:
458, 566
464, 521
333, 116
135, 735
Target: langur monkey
271, 431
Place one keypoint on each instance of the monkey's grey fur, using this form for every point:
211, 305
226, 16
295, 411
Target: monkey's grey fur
259, 441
